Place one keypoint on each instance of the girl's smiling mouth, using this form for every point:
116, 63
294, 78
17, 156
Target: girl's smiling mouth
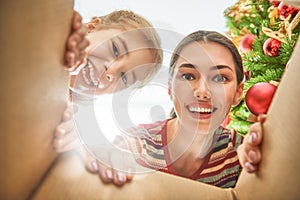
89, 75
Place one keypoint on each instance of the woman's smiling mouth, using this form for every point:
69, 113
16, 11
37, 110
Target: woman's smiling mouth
200, 111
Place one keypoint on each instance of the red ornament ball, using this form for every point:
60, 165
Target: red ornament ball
246, 43
259, 97
271, 47
285, 10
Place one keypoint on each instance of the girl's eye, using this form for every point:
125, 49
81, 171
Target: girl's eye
220, 78
115, 49
124, 77
188, 77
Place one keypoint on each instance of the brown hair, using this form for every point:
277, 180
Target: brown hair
127, 20
207, 36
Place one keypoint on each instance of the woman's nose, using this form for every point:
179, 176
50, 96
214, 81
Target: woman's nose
201, 90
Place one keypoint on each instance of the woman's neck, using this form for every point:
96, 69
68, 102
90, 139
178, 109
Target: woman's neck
187, 146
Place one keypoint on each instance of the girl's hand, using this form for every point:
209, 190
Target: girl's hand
65, 136
249, 151
76, 43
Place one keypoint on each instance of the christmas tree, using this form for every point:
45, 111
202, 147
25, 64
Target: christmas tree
265, 33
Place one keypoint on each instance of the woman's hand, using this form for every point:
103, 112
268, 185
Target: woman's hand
249, 152
107, 174
65, 136
76, 43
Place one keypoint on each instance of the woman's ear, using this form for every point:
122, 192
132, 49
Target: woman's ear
238, 95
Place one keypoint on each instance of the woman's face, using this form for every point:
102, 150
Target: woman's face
116, 60
204, 86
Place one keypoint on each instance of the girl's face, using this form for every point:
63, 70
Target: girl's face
204, 86
116, 60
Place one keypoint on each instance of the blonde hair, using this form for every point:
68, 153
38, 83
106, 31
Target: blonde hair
127, 20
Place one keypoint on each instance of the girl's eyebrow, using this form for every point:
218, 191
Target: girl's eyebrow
123, 42
187, 65
133, 76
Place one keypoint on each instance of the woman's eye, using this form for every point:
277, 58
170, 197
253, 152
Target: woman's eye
188, 77
115, 49
124, 77
220, 78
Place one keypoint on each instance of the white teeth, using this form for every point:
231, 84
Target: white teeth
84, 75
200, 110
89, 75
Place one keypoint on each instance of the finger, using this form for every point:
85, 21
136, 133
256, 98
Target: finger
90, 162
250, 150
68, 113
119, 178
82, 46
254, 156
105, 173
69, 59
244, 161
250, 168
82, 31
242, 155
77, 20
73, 144
255, 134
68, 141
75, 47
80, 51
73, 40
262, 118
65, 128
61, 145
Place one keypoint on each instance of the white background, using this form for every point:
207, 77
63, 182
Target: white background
183, 16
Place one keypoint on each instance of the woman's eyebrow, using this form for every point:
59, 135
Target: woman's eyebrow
218, 67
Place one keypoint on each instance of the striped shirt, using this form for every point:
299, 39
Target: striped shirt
149, 145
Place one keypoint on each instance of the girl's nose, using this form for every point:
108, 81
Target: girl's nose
109, 77
111, 73
201, 90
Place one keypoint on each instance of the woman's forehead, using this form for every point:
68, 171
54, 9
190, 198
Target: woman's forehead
205, 54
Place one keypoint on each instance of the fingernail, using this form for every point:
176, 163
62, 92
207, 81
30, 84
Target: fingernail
94, 166
253, 137
252, 156
120, 176
249, 167
108, 173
